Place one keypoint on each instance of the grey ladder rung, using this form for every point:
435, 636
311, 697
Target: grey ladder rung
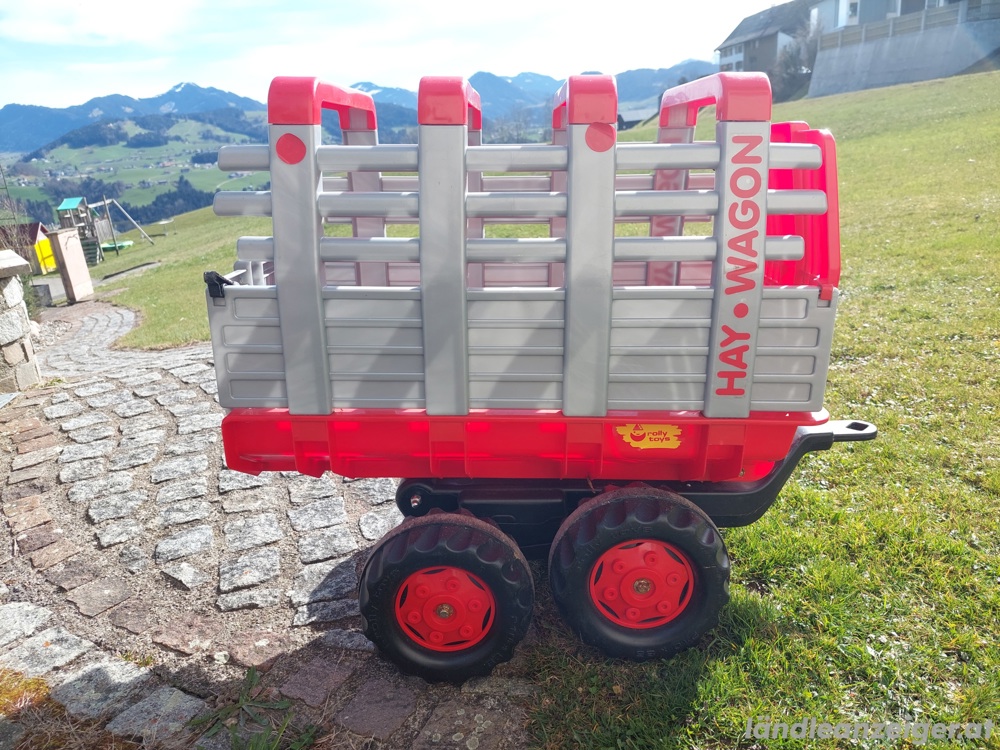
796, 202
255, 158
242, 203
382, 158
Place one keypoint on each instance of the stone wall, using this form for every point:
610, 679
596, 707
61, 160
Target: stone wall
18, 368
906, 58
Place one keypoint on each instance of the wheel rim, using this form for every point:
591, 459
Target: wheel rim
445, 608
642, 583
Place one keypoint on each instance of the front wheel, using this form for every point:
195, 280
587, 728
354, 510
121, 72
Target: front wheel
639, 573
446, 596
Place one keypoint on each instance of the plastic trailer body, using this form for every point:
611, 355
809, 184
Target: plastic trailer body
527, 335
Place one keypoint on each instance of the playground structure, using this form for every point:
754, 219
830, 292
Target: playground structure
97, 233
606, 395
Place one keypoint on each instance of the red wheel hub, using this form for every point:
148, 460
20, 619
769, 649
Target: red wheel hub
643, 583
445, 608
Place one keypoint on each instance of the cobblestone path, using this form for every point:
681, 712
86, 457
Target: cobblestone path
142, 578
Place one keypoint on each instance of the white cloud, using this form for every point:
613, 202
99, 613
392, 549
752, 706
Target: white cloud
108, 23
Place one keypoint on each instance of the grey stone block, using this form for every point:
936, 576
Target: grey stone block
158, 717
246, 533
183, 490
185, 574
119, 481
86, 450
324, 544
318, 515
118, 532
93, 432
250, 569
44, 652
129, 458
256, 598
236, 480
99, 688
84, 420
325, 581
376, 523
184, 511
175, 468
184, 544
120, 505
19, 620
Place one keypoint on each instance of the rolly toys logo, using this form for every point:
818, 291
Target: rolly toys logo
651, 435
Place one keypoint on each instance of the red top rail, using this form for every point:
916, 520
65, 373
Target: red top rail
301, 101
583, 100
739, 97
448, 100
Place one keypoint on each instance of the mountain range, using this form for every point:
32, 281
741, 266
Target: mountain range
526, 96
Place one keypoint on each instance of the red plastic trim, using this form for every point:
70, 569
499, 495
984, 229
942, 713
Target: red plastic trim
445, 608
290, 149
583, 100
820, 264
739, 97
646, 446
446, 100
642, 583
601, 136
300, 101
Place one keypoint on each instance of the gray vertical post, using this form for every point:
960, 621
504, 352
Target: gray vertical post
738, 277
298, 271
743, 111
294, 111
443, 113
592, 111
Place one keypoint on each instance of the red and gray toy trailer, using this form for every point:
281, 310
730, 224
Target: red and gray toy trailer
553, 365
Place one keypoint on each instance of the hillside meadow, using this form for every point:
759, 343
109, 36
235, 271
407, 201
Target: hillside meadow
870, 592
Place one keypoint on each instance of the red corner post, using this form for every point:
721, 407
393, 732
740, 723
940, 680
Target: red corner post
448, 100
739, 97
584, 100
301, 101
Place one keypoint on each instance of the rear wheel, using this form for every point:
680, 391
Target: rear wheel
446, 596
639, 573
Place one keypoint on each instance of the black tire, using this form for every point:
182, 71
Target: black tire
663, 522
429, 552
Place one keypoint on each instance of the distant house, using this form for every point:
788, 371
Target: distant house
867, 44
759, 39
629, 118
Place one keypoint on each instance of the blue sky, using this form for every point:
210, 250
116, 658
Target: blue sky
58, 53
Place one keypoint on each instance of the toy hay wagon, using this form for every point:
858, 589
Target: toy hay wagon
604, 388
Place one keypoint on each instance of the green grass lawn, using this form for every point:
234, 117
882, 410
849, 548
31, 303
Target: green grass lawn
871, 590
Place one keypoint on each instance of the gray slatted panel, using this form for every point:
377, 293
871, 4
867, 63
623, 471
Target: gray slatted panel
376, 347
793, 350
516, 348
246, 344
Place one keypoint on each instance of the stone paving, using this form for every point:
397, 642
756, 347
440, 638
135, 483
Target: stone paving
141, 578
